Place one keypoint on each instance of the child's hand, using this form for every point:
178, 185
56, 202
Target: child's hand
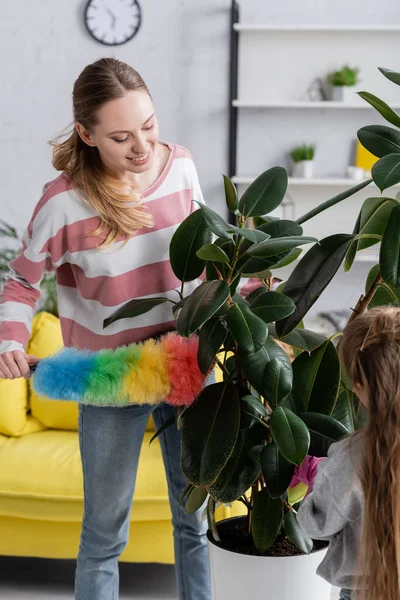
306, 473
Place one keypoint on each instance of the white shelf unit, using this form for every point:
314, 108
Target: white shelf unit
311, 28
307, 105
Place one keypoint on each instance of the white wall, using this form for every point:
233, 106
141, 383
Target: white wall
182, 51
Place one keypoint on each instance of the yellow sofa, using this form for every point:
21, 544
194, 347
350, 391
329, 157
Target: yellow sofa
41, 491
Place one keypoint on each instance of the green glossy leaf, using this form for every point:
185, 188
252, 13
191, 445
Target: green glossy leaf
230, 194
380, 140
391, 75
277, 246
316, 379
209, 432
168, 423
290, 435
372, 220
253, 364
242, 468
276, 470
195, 500
389, 258
381, 106
344, 409
291, 257
282, 228
134, 308
247, 329
386, 172
301, 338
255, 293
212, 336
385, 295
190, 236
201, 305
267, 520
213, 253
252, 235
271, 306
256, 404
278, 380
324, 431
265, 193
296, 533
216, 223
311, 276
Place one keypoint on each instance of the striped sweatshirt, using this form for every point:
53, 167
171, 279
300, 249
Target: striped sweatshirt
93, 283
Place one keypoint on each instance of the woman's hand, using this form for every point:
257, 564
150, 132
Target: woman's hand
16, 364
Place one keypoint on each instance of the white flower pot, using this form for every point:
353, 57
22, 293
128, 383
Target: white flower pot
344, 93
304, 168
237, 576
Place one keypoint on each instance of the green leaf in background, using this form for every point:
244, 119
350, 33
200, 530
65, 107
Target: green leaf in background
344, 409
386, 172
242, 468
267, 520
271, 306
230, 194
276, 470
134, 308
213, 253
381, 106
391, 75
389, 258
311, 276
212, 336
316, 379
195, 500
216, 223
209, 432
169, 423
324, 431
278, 381
248, 330
265, 193
291, 257
253, 364
277, 246
296, 534
201, 305
255, 403
301, 338
290, 435
380, 140
252, 235
190, 236
385, 295
372, 219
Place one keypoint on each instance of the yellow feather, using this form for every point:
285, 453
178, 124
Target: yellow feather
148, 382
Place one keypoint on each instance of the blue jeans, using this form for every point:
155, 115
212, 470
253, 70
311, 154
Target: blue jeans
110, 442
345, 594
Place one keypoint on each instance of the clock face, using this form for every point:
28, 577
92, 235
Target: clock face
113, 22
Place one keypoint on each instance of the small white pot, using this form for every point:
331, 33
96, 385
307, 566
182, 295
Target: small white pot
237, 576
344, 93
304, 168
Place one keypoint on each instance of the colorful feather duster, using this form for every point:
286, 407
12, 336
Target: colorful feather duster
147, 373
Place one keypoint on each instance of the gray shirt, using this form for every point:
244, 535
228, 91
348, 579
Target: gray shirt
334, 511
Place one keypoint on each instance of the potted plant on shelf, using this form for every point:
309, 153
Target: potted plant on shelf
303, 160
243, 437
342, 84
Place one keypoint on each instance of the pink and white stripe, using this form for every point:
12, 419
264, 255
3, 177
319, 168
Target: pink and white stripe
92, 284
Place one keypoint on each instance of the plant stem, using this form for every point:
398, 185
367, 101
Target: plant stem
211, 519
223, 367
235, 258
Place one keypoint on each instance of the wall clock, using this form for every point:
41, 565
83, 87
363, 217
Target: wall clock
113, 22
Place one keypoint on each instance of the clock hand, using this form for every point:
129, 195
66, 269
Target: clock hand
113, 17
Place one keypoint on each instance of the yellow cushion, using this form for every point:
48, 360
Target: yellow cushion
45, 339
14, 397
41, 478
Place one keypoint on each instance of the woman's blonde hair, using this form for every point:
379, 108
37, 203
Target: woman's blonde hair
119, 206
370, 353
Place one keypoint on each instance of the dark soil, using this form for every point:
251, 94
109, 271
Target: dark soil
235, 537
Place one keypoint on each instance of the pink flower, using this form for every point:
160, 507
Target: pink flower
306, 473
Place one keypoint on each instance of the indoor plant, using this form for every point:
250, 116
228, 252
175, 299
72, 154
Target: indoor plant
343, 82
249, 431
303, 160
48, 300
